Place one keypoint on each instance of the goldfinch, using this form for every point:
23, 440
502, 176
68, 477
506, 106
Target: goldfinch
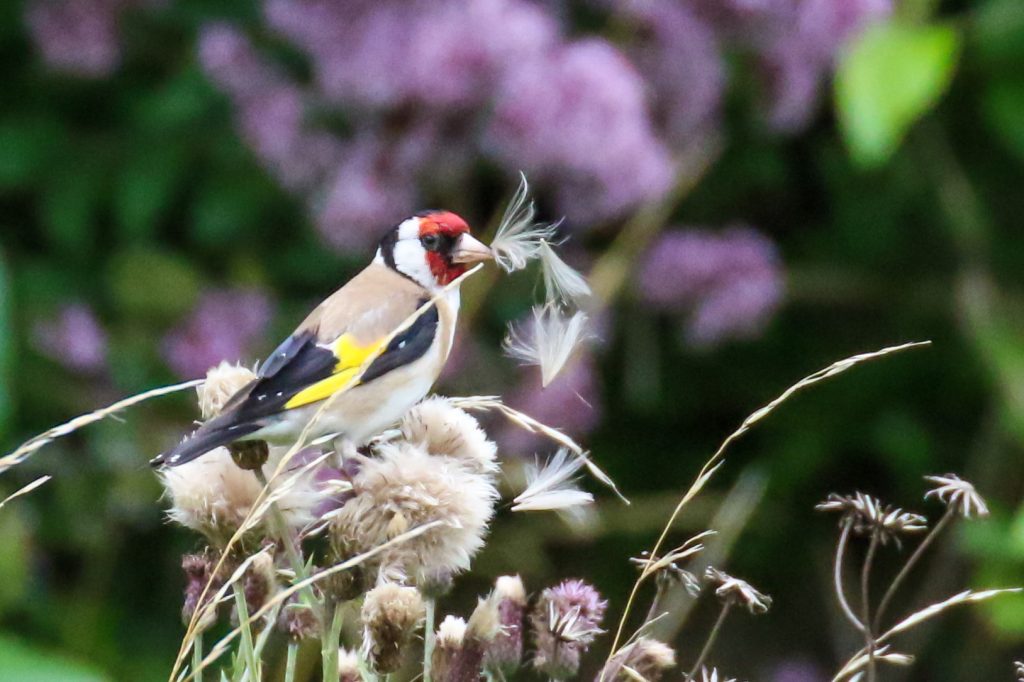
414, 263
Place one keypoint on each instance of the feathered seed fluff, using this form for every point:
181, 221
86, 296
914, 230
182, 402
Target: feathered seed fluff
212, 496
446, 430
405, 487
391, 613
348, 666
222, 382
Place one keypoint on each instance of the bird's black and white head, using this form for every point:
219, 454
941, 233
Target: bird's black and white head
431, 248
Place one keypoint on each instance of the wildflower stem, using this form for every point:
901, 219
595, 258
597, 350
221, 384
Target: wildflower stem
248, 648
865, 595
909, 565
197, 657
710, 641
280, 529
428, 637
331, 640
292, 662
837, 574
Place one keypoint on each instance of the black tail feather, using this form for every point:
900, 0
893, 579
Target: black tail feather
207, 437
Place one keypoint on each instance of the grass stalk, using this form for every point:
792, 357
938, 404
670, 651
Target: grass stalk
331, 641
292, 662
248, 647
909, 565
428, 637
837, 576
197, 656
865, 595
712, 636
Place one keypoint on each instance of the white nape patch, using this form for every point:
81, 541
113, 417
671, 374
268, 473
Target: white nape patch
411, 257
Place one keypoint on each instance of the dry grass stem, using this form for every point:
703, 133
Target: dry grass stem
283, 595
29, 447
25, 490
711, 466
525, 421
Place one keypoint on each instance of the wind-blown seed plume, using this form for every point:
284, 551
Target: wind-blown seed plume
561, 281
518, 239
552, 339
552, 487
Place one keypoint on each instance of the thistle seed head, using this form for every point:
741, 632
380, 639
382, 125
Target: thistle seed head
564, 622
645, 657
505, 652
390, 614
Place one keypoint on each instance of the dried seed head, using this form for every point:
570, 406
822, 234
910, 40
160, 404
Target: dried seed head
348, 666
451, 635
564, 622
713, 676
222, 382
505, 652
443, 429
737, 592
260, 581
212, 496
249, 454
1018, 668
298, 622
953, 491
406, 487
645, 657
391, 613
198, 570
869, 515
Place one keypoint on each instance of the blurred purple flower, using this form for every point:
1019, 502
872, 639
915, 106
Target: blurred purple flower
571, 403
580, 115
363, 198
225, 325
270, 109
438, 54
74, 338
797, 670
729, 282
77, 37
679, 54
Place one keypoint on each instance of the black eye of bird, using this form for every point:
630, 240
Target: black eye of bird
431, 242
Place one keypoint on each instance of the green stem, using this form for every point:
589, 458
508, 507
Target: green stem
837, 576
292, 662
248, 648
331, 641
710, 641
197, 657
428, 638
865, 589
911, 562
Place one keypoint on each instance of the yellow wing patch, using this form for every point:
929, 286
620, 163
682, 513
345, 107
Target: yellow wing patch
350, 356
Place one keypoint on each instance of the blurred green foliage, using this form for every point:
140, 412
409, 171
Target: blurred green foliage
134, 194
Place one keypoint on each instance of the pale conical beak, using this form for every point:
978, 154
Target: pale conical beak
470, 250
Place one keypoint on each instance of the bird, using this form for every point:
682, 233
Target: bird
414, 265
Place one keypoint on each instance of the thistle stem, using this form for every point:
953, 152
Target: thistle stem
909, 565
710, 641
248, 648
428, 638
292, 662
197, 657
865, 595
837, 576
331, 641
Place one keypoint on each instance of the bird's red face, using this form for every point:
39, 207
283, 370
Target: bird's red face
433, 248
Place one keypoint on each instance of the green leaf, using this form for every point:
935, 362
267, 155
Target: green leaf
152, 283
1004, 110
6, 347
146, 187
892, 75
28, 145
22, 662
70, 205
